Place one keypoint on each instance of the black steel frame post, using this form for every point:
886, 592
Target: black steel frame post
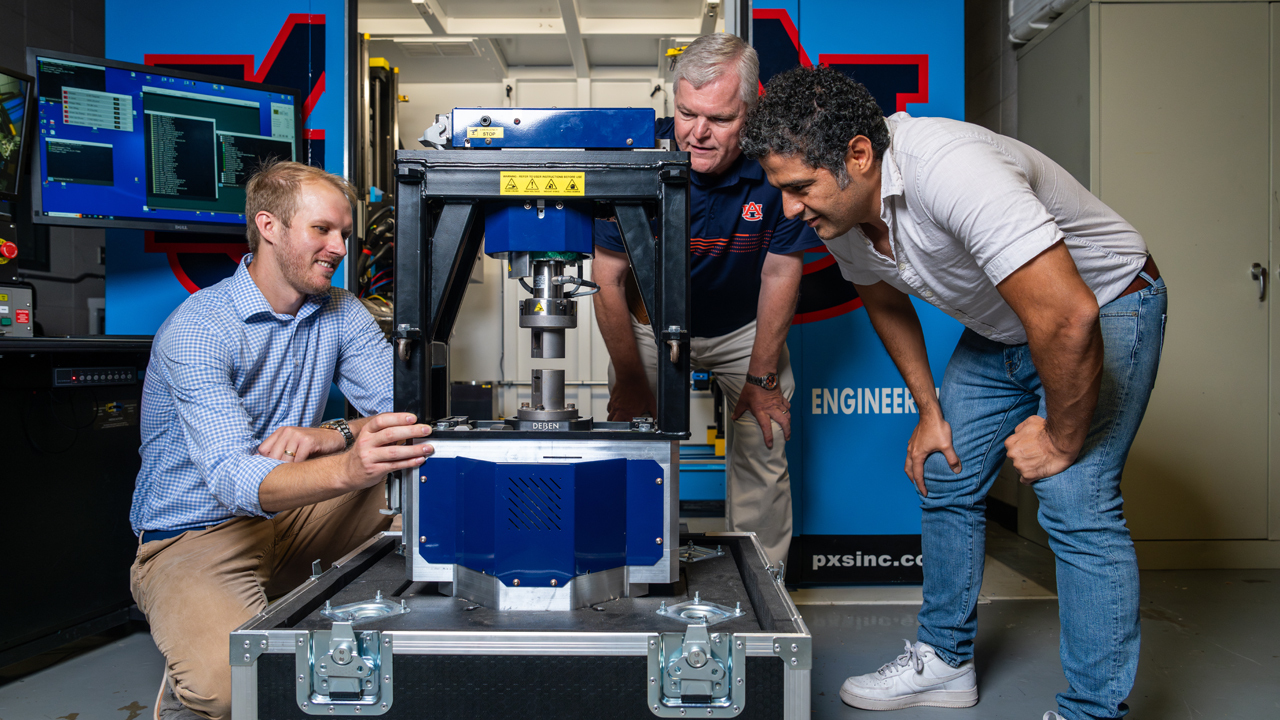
412, 353
671, 323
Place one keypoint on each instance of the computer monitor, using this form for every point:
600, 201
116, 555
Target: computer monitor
15, 99
134, 146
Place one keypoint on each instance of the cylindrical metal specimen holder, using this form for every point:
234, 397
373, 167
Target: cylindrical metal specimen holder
547, 400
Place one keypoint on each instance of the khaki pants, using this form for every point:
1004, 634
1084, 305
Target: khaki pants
757, 484
198, 587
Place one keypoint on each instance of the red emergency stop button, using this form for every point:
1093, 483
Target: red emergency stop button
8, 250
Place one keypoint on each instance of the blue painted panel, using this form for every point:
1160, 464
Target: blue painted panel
845, 460
510, 227
644, 512
437, 510
556, 127
702, 481
474, 517
533, 520
600, 515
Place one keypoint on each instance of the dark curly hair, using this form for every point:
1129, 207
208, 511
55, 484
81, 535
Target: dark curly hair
814, 113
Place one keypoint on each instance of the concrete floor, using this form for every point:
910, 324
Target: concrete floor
1210, 649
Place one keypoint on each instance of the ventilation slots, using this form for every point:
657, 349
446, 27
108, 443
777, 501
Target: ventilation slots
533, 503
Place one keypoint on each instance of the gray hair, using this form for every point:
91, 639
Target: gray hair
710, 56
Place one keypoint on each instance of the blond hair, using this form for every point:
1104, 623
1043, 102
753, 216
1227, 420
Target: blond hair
275, 187
710, 56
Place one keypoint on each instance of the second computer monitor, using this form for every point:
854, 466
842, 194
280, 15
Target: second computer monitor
124, 145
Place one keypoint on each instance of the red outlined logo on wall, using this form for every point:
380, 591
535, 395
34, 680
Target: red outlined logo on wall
295, 59
893, 80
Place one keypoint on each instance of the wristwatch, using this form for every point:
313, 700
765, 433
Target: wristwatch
341, 426
768, 381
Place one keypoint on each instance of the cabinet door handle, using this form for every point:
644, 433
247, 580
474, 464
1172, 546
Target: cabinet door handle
1259, 273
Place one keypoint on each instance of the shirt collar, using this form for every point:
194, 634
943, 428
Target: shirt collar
741, 168
252, 305
890, 176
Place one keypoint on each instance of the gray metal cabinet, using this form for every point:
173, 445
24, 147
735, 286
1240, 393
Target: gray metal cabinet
1164, 110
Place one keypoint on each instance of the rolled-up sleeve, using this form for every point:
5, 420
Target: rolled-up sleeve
197, 365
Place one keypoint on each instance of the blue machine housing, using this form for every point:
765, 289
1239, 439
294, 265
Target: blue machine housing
595, 128
539, 522
510, 227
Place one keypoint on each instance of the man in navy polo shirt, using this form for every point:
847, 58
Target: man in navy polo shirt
746, 264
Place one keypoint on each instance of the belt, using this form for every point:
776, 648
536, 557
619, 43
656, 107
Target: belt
1139, 282
154, 535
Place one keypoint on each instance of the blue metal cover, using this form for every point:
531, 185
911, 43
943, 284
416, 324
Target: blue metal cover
598, 128
539, 522
511, 227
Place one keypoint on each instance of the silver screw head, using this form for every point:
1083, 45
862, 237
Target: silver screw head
795, 661
263, 644
300, 640
516, 582
659, 481
736, 709
246, 657
246, 643
795, 647
777, 647
559, 205
527, 205
554, 582
423, 539
300, 679
631, 142
659, 541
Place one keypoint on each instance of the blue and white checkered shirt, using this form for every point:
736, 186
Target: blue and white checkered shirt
225, 372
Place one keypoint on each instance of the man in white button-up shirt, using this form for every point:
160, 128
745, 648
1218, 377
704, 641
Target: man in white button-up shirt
1065, 314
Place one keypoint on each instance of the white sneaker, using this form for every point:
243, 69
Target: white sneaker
917, 677
1051, 715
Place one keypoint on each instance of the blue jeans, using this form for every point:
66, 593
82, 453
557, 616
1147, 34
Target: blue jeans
988, 389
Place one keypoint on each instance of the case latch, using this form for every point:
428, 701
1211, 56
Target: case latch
697, 671
340, 672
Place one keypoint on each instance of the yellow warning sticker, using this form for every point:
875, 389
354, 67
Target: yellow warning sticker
484, 132
538, 308
543, 183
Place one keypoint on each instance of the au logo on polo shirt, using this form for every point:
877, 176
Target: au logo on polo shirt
752, 211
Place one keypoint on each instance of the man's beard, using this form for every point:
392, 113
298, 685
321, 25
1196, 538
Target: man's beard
298, 269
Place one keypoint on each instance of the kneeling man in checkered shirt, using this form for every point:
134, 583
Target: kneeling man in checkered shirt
242, 486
